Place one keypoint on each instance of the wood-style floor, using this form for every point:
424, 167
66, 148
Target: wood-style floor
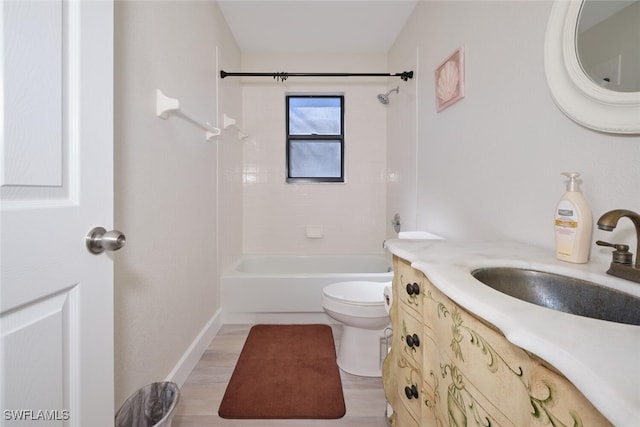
202, 392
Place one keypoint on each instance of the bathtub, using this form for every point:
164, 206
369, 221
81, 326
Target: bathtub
293, 283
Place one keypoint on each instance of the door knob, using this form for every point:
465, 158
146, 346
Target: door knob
99, 240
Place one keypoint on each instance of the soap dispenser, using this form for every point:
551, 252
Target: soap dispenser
573, 223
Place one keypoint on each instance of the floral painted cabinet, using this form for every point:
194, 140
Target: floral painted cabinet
449, 368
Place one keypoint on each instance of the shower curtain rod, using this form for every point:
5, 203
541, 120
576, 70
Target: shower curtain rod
282, 76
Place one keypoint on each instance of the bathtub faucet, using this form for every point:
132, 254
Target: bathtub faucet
621, 265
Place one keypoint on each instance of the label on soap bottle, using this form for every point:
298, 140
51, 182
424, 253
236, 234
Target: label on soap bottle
566, 228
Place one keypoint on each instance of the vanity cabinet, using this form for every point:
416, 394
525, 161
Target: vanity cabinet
447, 367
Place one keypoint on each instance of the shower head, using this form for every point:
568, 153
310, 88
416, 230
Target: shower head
384, 97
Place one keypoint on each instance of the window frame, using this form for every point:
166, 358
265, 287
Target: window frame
315, 138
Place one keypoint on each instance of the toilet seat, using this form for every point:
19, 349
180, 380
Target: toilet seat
356, 293
357, 299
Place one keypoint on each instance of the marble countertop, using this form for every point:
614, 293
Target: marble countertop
602, 359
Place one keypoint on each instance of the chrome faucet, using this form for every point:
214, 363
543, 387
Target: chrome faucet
622, 263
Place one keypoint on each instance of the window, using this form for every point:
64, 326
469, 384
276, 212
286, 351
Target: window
315, 138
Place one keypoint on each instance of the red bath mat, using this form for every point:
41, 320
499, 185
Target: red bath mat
285, 372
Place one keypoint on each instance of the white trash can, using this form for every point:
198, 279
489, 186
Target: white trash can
151, 406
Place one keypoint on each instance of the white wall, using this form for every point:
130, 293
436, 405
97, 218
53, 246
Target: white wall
352, 214
167, 183
488, 167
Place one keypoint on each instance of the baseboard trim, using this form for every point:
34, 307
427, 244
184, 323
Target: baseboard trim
194, 352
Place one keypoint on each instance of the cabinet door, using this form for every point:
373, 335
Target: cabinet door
557, 401
432, 411
476, 375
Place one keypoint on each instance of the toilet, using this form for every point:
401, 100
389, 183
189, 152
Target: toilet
360, 307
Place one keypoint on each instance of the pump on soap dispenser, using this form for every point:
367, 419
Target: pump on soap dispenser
573, 223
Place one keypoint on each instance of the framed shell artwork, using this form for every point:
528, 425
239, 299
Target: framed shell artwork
449, 79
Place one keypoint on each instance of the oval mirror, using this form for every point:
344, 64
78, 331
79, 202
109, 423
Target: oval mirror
589, 60
608, 43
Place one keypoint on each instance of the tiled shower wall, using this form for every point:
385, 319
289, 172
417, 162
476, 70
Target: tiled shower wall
351, 215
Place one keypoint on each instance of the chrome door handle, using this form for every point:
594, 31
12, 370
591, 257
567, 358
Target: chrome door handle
99, 240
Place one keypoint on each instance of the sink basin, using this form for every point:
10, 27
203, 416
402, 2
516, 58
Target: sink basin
562, 293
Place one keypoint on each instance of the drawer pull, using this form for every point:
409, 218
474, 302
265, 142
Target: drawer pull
413, 289
413, 340
408, 392
416, 340
411, 392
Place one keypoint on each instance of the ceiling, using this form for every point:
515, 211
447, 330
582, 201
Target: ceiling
316, 26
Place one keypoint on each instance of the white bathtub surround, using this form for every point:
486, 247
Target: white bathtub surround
598, 357
285, 288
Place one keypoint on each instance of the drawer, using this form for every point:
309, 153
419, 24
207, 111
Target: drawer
410, 287
411, 336
409, 383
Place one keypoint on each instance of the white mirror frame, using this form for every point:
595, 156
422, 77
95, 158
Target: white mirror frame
573, 91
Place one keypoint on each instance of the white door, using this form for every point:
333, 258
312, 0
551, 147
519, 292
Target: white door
56, 163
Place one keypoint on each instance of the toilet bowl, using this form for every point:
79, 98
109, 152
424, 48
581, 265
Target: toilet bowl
360, 307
